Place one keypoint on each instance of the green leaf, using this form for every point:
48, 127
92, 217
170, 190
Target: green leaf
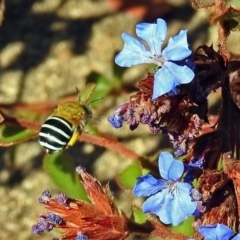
91, 128
227, 15
185, 227
103, 87
236, 3
138, 215
118, 73
62, 172
195, 183
86, 93
234, 25
231, 12
128, 177
11, 134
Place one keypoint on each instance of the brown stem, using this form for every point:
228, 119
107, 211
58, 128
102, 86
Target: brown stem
102, 141
39, 107
111, 143
224, 124
222, 40
223, 141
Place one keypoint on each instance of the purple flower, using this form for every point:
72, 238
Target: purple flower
179, 143
42, 224
80, 236
46, 195
61, 198
195, 194
194, 165
117, 118
217, 232
80, 168
170, 72
169, 198
53, 218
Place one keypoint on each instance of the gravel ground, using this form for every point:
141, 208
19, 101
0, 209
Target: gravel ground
47, 49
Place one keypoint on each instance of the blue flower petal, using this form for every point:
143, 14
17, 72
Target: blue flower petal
153, 34
163, 82
237, 237
165, 213
154, 203
180, 74
170, 76
170, 168
134, 52
148, 185
215, 232
179, 40
176, 54
190, 64
116, 120
177, 45
171, 207
177, 205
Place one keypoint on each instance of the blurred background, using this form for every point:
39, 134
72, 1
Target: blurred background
47, 49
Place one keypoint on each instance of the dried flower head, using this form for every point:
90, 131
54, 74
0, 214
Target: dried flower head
176, 115
82, 220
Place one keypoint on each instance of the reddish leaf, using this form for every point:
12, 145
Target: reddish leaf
226, 13
202, 3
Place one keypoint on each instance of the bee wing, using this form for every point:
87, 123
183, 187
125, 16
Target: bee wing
86, 93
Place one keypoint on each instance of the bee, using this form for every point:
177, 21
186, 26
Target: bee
63, 127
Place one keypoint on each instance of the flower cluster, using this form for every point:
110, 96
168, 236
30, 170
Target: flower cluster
172, 100
80, 220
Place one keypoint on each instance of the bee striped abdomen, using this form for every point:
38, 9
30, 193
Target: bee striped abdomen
56, 133
66, 123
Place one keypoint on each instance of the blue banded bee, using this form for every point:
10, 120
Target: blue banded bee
63, 127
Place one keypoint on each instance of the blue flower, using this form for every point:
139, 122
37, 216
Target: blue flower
117, 119
217, 232
80, 236
170, 72
192, 168
169, 199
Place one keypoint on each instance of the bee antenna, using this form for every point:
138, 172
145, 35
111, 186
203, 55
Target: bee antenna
97, 99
